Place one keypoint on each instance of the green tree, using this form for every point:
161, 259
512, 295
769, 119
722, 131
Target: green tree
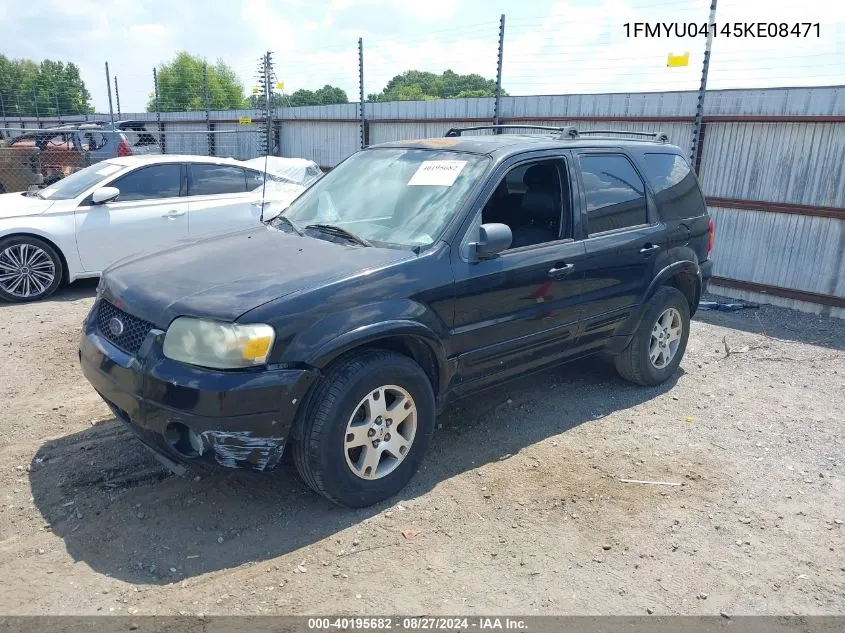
415, 85
180, 86
327, 95
45, 89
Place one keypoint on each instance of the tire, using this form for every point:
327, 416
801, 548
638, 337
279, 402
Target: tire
43, 281
635, 362
333, 439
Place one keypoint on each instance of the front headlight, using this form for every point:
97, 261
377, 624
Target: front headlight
218, 345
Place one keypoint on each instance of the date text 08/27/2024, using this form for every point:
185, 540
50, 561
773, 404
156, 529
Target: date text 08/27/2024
421, 623
725, 29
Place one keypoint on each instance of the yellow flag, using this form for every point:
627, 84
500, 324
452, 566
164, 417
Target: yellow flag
677, 60
280, 85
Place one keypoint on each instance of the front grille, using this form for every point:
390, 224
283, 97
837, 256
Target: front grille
135, 330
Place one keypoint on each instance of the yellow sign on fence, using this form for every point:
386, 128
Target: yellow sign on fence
677, 60
245, 120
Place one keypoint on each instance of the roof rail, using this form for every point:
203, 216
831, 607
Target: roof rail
565, 132
659, 137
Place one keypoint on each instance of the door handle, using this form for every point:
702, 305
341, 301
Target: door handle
561, 270
649, 249
173, 214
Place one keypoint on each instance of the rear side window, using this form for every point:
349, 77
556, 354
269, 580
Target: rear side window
207, 180
676, 190
615, 193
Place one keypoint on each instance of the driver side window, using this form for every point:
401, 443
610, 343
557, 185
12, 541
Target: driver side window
533, 199
148, 183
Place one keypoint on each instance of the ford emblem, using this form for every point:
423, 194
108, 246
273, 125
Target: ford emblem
115, 326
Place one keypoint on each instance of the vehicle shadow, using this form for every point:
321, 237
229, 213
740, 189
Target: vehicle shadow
125, 516
776, 322
82, 289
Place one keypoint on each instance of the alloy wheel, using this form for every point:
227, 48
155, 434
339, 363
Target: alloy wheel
380, 432
26, 270
665, 338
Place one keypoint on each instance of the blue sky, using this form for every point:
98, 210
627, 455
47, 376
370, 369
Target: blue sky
551, 46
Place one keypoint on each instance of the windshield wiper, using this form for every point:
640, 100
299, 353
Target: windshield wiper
331, 229
289, 222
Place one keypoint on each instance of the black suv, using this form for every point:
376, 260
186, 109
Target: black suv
413, 273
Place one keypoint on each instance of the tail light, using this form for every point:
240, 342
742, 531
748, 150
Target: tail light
124, 150
712, 230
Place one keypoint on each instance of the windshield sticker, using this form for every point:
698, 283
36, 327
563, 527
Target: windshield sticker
108, 169
442, 173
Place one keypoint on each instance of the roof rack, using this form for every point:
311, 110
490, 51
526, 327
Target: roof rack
565, 132
568, 132
659, 137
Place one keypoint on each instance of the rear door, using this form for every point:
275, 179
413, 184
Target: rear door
220, 198
622, 239
150, 214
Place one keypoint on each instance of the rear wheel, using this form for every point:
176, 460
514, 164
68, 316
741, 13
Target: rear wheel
366, 429
30, 269
658, 345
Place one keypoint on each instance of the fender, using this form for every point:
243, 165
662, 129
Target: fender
67, 250
328, 349
669, 271
620, 340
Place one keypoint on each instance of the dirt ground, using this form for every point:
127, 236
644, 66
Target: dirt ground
518, 510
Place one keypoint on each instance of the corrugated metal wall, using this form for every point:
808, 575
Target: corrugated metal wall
799, 163
770, 146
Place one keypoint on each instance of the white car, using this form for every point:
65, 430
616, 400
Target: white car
78, 226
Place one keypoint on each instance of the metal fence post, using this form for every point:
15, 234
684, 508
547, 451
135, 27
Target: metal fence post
58, 111
158, 113
497, 102
108, 87
211, 148
268, 99
702, 89
117, 97
363, 120
35, 103
3, 107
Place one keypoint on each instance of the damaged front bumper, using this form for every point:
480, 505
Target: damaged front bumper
238, 419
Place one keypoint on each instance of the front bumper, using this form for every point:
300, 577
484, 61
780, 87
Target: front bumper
183, 413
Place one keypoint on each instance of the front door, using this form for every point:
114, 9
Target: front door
148, 215
520, 310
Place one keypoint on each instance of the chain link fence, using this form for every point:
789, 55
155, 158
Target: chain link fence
32, 157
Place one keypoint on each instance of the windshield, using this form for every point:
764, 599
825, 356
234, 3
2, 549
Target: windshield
80, 181
403, 197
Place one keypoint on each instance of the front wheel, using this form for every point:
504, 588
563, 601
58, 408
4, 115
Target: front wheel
658, 345
30, 269
366, 429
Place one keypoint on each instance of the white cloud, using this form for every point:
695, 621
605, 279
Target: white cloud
550, 47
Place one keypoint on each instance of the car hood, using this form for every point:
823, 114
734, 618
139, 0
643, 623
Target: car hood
225, 276
13, 205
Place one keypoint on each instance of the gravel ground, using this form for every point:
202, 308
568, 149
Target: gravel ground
518, 509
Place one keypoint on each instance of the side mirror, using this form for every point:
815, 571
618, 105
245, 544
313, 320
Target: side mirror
492, 240
105, 194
